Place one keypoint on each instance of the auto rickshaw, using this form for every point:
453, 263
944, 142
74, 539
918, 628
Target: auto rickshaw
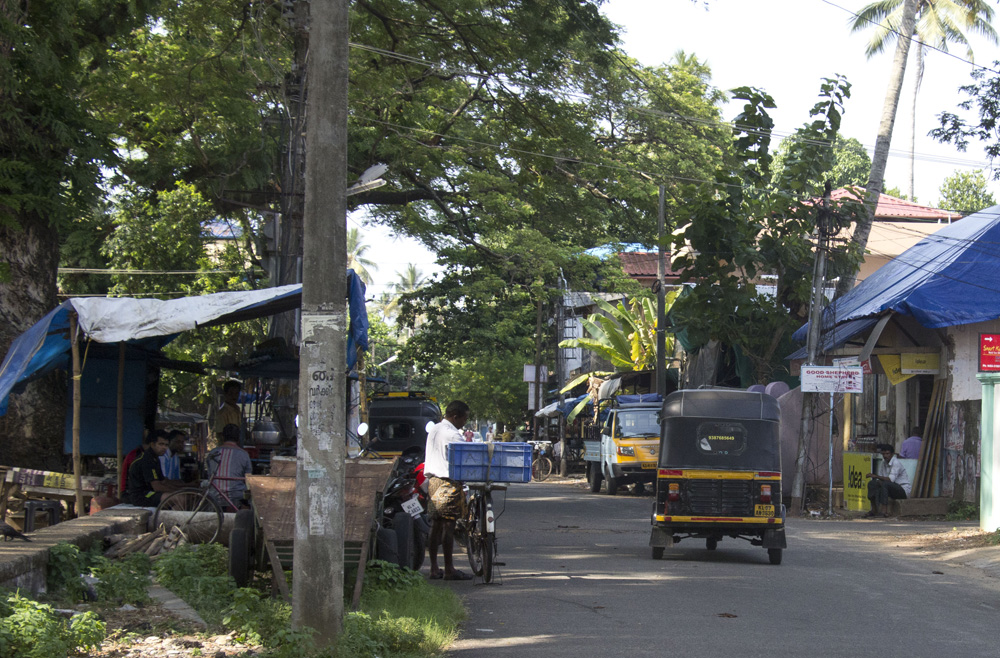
719, 471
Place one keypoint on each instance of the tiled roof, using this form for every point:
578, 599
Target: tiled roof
643, 264
889, 207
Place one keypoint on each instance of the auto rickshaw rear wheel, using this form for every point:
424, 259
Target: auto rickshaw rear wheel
657, 552
774, 555
711, 543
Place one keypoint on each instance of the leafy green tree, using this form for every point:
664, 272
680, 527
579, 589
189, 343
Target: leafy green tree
982, 95
938, 23
966, 192
851, 166
52, 147
744, 228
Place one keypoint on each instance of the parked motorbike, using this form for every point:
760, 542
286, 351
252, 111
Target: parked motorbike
403, 524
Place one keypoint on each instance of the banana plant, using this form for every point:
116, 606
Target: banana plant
625, 336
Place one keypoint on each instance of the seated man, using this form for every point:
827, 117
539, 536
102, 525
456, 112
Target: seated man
170, 462
892, 481
229, 460
146, 484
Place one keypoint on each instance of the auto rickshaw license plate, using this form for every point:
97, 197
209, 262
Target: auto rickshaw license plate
763, 510
649, 464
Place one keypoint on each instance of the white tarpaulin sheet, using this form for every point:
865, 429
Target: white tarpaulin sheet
110, 320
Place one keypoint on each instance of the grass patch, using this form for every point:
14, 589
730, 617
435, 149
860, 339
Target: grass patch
962, 511
400, 616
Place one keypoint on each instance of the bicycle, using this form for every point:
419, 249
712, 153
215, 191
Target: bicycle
541, 465
200, 514
479, 529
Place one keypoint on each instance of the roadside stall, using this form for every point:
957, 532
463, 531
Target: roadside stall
112, 347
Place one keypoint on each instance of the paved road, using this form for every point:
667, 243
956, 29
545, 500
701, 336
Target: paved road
579, 582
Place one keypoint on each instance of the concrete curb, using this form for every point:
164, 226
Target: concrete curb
175, 604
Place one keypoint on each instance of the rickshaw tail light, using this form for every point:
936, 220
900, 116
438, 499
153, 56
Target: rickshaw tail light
674, 492
769, 474
765, 493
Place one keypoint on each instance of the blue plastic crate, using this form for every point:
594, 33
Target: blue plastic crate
471, 462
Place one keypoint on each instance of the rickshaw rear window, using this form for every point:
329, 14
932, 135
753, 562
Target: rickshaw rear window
722, 439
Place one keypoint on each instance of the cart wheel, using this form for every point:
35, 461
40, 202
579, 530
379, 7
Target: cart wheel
711, 543
657, 552
240, 558
594, 471
244, 520
774, 555
402, 525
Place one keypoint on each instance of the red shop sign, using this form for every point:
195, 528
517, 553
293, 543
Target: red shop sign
989, 352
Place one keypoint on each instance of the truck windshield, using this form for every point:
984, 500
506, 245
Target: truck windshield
635, 423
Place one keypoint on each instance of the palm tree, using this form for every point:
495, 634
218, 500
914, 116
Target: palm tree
410, 280
937, 23
356, 260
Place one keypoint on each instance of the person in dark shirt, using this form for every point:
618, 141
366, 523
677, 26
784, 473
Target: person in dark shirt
146, 484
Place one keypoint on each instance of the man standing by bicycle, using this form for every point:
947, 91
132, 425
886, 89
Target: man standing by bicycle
446, 500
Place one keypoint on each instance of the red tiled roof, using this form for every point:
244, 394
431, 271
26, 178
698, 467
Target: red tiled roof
889, 207
643, 263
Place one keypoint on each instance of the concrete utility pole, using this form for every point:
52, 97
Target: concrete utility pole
661, 303
318, 572
812, 347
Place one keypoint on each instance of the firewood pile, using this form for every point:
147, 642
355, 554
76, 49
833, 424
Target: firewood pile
151, 543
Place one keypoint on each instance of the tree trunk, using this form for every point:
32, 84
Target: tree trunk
32, 431
919, 56
875, 178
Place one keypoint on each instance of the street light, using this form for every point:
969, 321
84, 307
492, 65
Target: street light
369, 180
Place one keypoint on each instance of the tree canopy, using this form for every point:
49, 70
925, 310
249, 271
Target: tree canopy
965, 192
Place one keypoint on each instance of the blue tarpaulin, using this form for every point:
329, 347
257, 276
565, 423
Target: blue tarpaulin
152, 323
949, 278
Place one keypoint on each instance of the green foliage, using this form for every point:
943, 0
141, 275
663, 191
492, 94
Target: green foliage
851, 163
744, 228
625, 336
259, 619
33, 630
124, 580
382, 575
959, 510
63, 575
965, 192
199, 572
982, 97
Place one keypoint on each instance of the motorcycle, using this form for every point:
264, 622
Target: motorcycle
403, 523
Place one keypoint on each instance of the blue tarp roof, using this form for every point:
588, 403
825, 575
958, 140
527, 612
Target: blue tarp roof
152, 323
949, 278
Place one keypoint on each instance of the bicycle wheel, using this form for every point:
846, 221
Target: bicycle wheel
487, 544
544, 467
474, 536
198, 516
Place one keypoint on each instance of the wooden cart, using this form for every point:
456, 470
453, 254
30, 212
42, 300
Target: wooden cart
267, 535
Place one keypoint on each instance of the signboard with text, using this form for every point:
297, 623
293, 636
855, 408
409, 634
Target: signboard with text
919, 364
856, 466
832, 379
989, 352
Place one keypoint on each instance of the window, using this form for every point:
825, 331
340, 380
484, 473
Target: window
721, 439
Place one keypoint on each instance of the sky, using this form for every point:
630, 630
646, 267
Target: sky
784, 47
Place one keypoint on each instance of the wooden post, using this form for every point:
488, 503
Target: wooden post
120, 423
77, 466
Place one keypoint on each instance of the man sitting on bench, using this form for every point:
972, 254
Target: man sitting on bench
891, 481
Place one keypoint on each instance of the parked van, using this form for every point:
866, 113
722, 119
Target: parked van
621, 448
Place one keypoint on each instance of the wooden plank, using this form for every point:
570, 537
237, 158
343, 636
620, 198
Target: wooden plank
274, 503
277, 572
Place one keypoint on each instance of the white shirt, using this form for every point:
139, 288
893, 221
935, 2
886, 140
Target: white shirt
896, 472
436, 451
